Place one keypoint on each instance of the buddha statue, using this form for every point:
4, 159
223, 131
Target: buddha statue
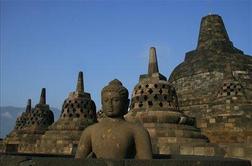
113, 137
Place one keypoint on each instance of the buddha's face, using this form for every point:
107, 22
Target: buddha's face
113, 104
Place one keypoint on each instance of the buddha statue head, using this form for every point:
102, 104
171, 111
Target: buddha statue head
115, 100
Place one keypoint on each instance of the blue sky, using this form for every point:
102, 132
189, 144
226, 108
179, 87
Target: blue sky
46, 43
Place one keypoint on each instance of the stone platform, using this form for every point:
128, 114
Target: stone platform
180, 139
233, 133
10, 160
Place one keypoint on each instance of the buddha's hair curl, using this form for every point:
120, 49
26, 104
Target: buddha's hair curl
116, 85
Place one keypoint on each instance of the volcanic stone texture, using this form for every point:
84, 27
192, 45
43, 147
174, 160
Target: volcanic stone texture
78, 112
214, 84
8, 160
154, 103
30, 126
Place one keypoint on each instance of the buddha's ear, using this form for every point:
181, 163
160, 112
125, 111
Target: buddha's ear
126, 106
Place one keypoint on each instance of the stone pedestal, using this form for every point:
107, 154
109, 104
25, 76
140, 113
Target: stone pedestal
7, 160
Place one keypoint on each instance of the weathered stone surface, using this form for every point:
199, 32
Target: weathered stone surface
214, 84
78, 112
155, 104
113, 137
153, 98
171, 161
30, 126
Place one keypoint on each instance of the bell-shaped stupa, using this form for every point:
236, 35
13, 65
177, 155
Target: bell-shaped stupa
78, 112
41, 116
21, 120
153, 98
214, 85
30, 126
154, 103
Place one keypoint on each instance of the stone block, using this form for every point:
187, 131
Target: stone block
234, 98
202, 125
179, 133
212, 120
186, 150
248, 151
59, 142
165, 149
236, 151
199, 151
236, 108
171, 139
229, 125
210, 151
231, 120
166, 140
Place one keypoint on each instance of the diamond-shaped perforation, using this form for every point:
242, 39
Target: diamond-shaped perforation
156, 97
230, 89
150, 103
150, 91
156, 85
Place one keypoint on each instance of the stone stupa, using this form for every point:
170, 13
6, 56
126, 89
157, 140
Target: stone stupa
155, 104
214, 84
78, 112
30, 126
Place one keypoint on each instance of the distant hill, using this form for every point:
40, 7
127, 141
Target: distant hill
9, 114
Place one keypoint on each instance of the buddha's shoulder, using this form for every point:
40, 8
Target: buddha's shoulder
92, 127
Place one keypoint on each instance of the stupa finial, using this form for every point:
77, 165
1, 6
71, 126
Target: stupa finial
80, 85
212, 33
153, 64
28, 106
43, 96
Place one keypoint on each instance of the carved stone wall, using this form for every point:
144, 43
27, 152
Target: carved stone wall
214, 84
